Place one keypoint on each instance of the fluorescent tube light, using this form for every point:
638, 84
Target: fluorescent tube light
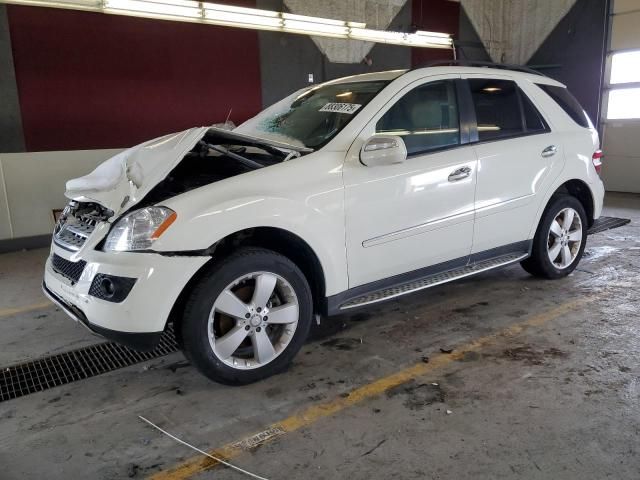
240, 19
243, 10
316, 28
433, 34
252, 18
305, 18
177, 8
68, 4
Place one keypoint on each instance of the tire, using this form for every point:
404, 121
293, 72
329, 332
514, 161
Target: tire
547, 242
232, 300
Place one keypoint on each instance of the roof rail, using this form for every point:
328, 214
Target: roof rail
476, 63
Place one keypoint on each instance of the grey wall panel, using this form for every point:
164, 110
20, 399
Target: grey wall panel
575, 49
470, 46
621, 169
625, 6
11, 137
35, 185
286, 60
5, 220
625, 33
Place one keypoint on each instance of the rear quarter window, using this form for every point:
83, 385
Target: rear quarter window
568, 103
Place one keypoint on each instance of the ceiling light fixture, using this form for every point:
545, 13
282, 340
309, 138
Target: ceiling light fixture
252, 18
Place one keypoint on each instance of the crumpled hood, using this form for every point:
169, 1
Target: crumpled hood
123, 180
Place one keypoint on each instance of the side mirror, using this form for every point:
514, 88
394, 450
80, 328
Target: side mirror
383, 150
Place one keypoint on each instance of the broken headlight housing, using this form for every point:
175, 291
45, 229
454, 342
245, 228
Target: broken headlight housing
139, 229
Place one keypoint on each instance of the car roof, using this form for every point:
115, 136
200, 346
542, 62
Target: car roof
387, 75
390, 75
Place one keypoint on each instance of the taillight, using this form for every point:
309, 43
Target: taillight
597, 160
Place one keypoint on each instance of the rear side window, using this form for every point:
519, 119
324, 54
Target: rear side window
532, 119
426, 118
569, 104
503, 110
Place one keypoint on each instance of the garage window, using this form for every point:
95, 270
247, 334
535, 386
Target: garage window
624, 93
426, 118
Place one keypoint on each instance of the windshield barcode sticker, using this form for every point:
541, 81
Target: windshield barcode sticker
349, 108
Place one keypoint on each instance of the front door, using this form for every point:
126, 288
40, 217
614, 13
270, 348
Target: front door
405, 217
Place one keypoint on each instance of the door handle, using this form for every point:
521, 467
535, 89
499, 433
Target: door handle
550, 151
459, 174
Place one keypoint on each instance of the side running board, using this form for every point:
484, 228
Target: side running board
432, 280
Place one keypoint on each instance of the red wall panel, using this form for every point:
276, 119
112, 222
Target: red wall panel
434, 16
90, 80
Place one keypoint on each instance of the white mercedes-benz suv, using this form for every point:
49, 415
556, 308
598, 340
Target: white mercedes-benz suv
341, 195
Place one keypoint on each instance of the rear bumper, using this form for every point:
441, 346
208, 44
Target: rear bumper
597, 191
137, 341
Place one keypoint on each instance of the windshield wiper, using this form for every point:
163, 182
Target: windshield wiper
225, 151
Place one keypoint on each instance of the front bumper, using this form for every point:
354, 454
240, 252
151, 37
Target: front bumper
137, 341
139, 319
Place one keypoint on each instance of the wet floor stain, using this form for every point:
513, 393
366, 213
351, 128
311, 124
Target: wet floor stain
530, 355
418, 395
343, 343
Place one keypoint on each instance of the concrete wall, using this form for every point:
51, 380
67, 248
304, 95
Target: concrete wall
512, 30
286, 60
11, 136
621, 170
574, 53
470, 45
377, 14
33, 184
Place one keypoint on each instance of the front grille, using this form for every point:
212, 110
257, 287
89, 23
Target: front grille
77, 223
48, 372
72, 237
68, 269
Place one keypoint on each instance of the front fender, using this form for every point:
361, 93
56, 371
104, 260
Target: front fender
303, 196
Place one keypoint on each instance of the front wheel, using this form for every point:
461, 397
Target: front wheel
247, 317
560, 239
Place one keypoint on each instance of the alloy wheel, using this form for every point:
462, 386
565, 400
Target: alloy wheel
253, 320
564, 238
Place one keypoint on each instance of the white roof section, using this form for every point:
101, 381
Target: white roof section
447, 69
369, 77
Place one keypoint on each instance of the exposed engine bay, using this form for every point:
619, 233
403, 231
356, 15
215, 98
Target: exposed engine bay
77, 222
216, 157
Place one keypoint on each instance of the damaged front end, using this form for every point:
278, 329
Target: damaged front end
154, 171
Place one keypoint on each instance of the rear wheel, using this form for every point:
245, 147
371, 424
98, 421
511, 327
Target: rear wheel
560, 239
248, 317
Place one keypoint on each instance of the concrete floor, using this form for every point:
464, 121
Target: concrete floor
543, 382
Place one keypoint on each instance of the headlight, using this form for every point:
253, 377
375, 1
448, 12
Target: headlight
138, 230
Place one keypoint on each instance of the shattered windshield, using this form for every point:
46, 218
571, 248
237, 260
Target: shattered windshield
313, 116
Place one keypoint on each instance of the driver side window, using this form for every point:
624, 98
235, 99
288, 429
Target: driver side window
426, 118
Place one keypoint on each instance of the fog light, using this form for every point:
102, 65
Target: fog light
111, 287
107, 287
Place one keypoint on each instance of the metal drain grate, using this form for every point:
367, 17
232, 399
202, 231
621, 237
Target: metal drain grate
607, 223
48, 372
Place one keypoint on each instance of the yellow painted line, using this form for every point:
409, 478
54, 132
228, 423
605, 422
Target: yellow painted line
312, 414
8, 312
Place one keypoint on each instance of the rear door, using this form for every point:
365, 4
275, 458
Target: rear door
516, 151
